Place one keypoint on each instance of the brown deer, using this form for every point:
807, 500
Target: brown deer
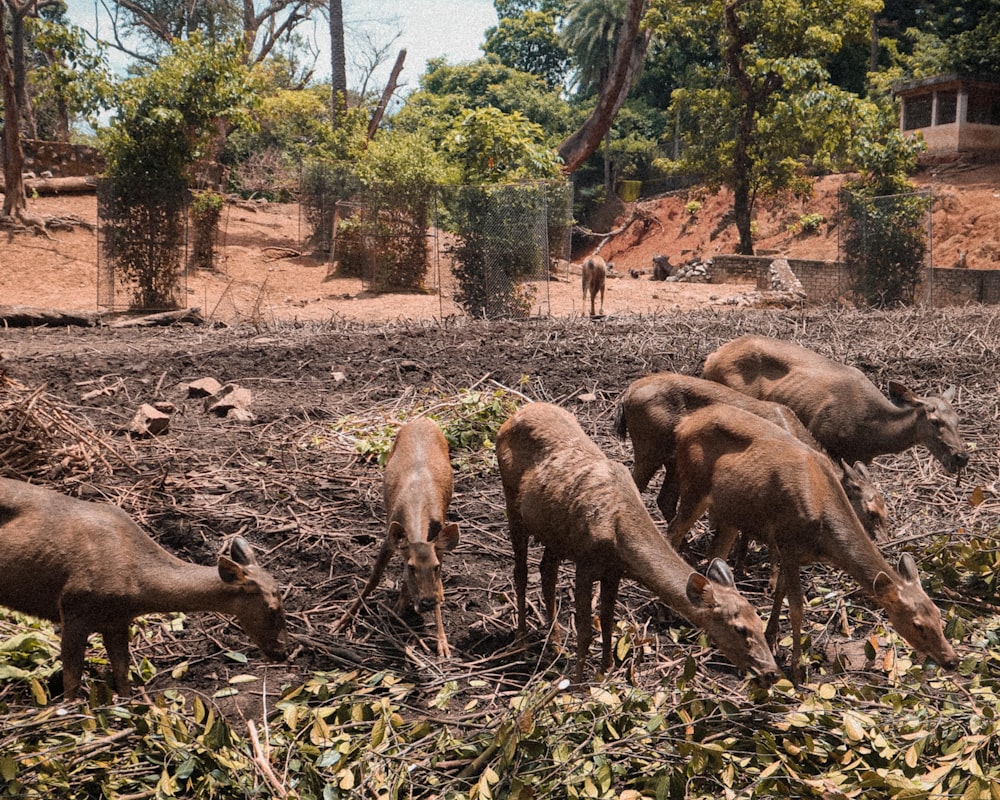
561, 489
417, 487
769, 485
90, 568
593, 275
844, 410
652, 407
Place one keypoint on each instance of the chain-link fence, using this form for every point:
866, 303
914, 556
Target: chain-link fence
887, 246
141, 246
487, 248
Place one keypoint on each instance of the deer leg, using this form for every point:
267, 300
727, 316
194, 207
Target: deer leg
519, 542
722, 543
381, 562
644, 465
774, 621
689, 510
609, 594
793, 585
549, 569
443, 650
602, 299
116, 641
584, 626
669, 493
73, 647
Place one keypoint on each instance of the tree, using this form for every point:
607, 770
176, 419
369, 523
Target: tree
14, 201
158, 23
774, 55
69, 79
338, 62
629, 53
529, 43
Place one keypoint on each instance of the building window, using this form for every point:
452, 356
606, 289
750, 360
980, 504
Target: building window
947, 104
984, 106
917, 112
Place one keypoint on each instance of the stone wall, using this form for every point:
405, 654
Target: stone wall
61, 159
827, 281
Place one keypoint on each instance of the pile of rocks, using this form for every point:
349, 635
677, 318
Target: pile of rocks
693, 271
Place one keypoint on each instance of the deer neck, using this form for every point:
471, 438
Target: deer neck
186, 587
849, 547
648, 558
892, 430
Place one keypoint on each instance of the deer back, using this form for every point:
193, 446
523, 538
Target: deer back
585, 507
418, 483
844, 410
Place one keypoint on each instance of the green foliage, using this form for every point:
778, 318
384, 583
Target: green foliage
166, 120
807, 223
469, 420
914, 734
448, 92
886, 243
72, 75
205, 210
382, 234
490, 146
529, 43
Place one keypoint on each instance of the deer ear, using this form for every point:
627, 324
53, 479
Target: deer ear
699, 591
241, 552
885, 587
397, 534
850, 471
907, 568
231, 572
719, 572
448, 538
949, 394
900, 394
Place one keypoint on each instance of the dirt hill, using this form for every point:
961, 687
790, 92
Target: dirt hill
965, 219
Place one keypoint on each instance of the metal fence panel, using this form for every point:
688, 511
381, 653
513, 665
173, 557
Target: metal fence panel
141, 247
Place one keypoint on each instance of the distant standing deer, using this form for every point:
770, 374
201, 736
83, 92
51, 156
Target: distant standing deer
593, 274
756, 478
561, 489
844, 410
90, 568
652, 407
417, 488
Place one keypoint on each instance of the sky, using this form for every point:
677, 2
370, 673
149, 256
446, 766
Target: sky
428, 29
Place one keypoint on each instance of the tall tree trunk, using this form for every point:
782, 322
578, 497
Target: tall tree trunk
17, 48
387, 93
338, 63
629, 54
752, 96
14, 201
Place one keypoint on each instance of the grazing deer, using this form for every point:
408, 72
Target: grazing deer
593, 274
772, 487
654, 405
90, 568
417, 488
561, 489
844, 410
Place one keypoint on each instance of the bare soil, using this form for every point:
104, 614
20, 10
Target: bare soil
331, 369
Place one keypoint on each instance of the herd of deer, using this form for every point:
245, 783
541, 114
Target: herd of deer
772, 441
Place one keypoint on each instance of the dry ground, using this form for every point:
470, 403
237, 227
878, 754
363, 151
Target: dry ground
292, 482
330, 367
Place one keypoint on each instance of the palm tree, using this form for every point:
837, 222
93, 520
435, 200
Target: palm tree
606, 45
590, 35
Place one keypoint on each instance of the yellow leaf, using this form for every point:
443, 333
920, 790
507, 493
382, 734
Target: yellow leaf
855, 732
977, 497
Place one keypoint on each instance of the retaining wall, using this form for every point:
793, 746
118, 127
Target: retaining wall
828, 281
